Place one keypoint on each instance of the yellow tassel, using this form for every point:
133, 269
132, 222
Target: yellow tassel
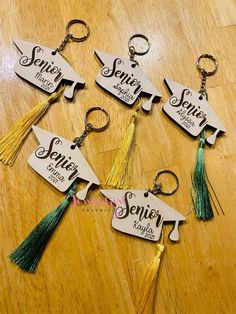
150, 278
118, 174
12, 141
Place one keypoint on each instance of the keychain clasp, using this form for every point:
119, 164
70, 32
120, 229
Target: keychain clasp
102, 128
70, 36
133, 51
202, 70
157, 189
205, 73
89, 127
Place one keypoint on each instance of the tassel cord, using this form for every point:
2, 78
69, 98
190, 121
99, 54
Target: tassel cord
30, 251
201, 199
150, 277
11, 143
118, 173
216, 197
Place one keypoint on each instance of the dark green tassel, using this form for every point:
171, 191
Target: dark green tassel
28, 254
201, 200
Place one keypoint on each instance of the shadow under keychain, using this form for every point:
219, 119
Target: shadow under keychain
191, 111
125, 80
47, 69
61, 163
142, 214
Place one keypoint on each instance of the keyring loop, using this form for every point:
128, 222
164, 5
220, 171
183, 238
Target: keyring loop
95, 109
158, 186
202, 70
77, 21
132, 49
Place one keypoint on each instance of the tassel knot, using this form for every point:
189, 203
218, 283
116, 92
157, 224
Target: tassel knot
135, 114
70, 194
202, 142
53, 97
133, 117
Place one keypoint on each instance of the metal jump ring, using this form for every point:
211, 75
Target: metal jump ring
77, 21
159, 186
95, 109
132, 49
202, 70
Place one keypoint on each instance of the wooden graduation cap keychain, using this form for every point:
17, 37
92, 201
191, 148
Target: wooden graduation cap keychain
191, 111
142, 214
47, 69
62, 164
125, 80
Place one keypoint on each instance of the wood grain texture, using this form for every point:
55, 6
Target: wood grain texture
88, 267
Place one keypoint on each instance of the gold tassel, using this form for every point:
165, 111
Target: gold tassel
12, 141
150, 278
118, 173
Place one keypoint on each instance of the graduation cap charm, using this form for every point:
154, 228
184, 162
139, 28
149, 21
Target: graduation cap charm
48, 70
142, 214
125, 80
57, 161
61, 163
191, 111
45, 69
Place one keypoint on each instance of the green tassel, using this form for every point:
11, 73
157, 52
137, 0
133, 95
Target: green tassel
201, 200
28, 254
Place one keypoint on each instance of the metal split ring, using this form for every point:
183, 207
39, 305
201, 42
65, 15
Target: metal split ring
202, 70
158, 186
90, 124
77, 21
132, 49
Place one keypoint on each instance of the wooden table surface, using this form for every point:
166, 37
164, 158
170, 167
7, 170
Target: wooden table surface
88, 267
